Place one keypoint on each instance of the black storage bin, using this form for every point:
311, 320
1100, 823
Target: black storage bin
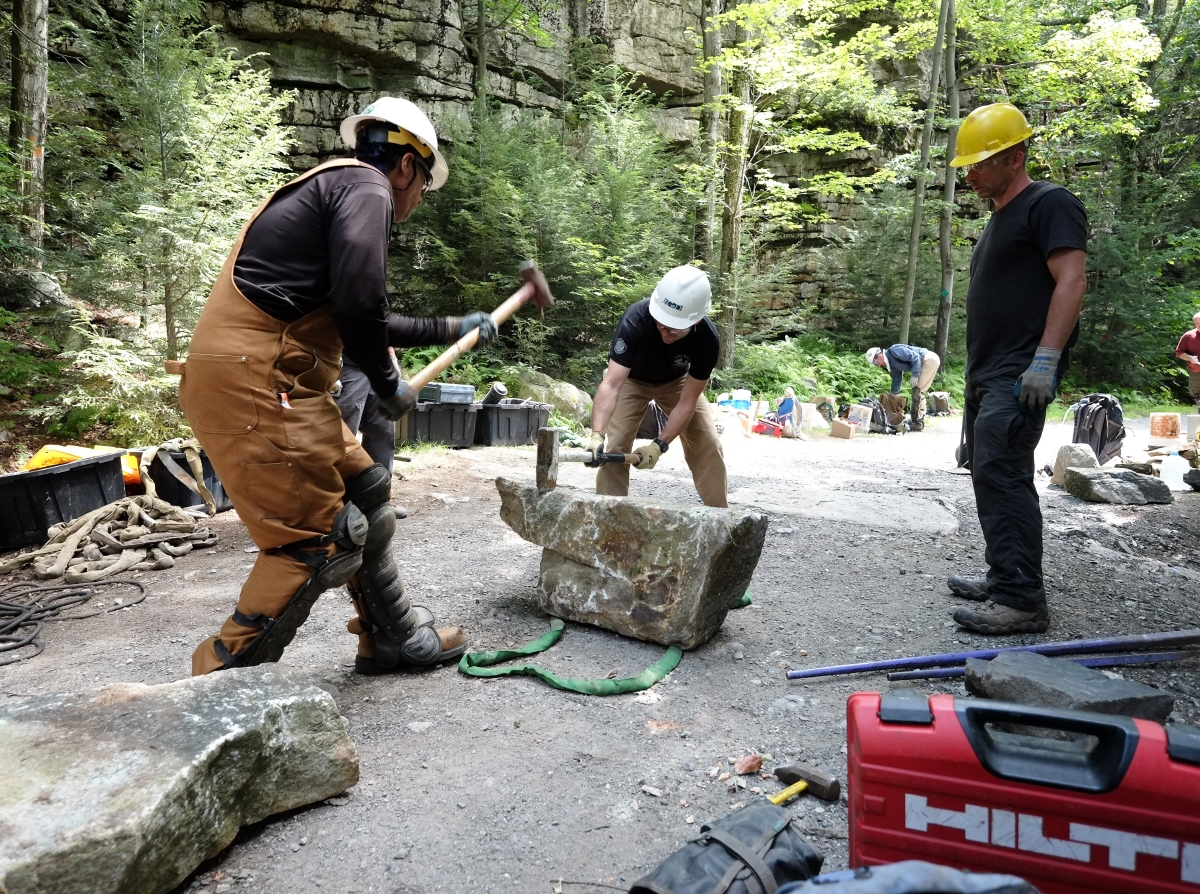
511, 421
171, 489
32, 502
449, 424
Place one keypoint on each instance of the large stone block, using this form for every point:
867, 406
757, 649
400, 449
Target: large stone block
563, 396
1032, 679
127, 789
661, 572
1123, 486
1073, 456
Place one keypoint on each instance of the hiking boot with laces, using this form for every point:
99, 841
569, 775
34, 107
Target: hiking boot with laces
992, 618
969, 587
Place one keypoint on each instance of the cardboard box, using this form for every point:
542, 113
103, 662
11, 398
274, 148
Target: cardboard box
840, 428
860, 417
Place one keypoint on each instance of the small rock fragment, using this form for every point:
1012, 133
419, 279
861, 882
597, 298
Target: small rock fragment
652, 791
751, 763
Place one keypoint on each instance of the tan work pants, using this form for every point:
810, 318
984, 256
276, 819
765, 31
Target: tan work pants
256, 392
701, 446
929, 368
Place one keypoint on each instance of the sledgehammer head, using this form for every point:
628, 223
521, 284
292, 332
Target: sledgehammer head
541, 288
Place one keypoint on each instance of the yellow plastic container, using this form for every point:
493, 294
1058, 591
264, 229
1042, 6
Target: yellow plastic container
57, 454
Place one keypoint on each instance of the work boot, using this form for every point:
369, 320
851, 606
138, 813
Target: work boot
993, 618
452, 641
975, 588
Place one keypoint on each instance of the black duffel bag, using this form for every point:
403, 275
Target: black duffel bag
751, 851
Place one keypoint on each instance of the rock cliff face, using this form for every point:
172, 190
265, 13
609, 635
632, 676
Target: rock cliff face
340, 54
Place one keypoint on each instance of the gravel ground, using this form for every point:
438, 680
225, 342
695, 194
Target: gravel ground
507, 785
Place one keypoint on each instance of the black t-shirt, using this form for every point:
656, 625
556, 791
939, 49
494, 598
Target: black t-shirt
325, 241
1011, 286
637, 344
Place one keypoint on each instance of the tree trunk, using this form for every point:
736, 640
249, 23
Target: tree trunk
736, 152
710, 128
914, 237
27, 121
946, 229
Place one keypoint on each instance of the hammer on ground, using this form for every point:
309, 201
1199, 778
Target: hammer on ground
800, 778
535, 288
550, 453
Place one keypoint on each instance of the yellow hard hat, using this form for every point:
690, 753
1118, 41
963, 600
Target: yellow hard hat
988, 130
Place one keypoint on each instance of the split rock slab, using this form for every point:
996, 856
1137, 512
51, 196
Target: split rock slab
126, 790
660, 572
1120, 486
1032, 679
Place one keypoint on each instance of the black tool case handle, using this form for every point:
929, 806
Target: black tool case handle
1095, 766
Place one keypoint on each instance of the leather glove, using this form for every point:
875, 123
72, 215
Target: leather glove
487, 328
1036, 386
399, 404
650, 454
595, 443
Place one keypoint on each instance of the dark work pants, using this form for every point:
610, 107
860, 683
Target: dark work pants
1000, 443
360, 411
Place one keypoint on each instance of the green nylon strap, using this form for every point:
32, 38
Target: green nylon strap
479, 664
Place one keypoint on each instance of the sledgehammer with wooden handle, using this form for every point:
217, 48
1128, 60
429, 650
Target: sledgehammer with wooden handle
535, 288
550, 453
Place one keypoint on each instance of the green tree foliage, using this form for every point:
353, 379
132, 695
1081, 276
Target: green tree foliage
161, 145
184, 141
591, 194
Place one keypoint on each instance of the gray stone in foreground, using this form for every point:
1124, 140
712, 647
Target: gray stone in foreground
1121, 486
1032, 679
129, 788
1073, 456
661, 572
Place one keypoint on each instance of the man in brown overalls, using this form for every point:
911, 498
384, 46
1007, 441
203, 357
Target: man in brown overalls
305, 281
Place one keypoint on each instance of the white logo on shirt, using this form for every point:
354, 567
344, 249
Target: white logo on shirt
620, 346
682, 359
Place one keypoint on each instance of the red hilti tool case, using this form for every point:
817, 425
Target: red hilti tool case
956, 782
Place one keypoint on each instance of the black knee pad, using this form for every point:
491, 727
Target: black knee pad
350, 531
370, 488
276, 633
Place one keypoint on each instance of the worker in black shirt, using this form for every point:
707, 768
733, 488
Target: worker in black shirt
664, 350
1023, 303
305, 281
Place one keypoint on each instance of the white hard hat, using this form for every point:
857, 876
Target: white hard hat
872, 353
412, 123
681, 298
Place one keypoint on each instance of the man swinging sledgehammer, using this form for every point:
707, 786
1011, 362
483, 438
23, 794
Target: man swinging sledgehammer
305, 280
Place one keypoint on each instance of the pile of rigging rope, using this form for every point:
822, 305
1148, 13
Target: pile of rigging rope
25, 607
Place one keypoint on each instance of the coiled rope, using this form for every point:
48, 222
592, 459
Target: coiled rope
25, 607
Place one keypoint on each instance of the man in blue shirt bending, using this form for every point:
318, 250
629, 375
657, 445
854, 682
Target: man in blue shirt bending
920, 363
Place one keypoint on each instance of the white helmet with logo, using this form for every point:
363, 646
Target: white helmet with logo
681, 298
872, 353
416, 130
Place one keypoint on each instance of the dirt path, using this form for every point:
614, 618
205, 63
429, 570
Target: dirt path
507, 785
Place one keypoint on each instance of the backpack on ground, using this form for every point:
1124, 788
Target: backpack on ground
879, 417
753, 850
938, 403
1100, 422
895, 408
